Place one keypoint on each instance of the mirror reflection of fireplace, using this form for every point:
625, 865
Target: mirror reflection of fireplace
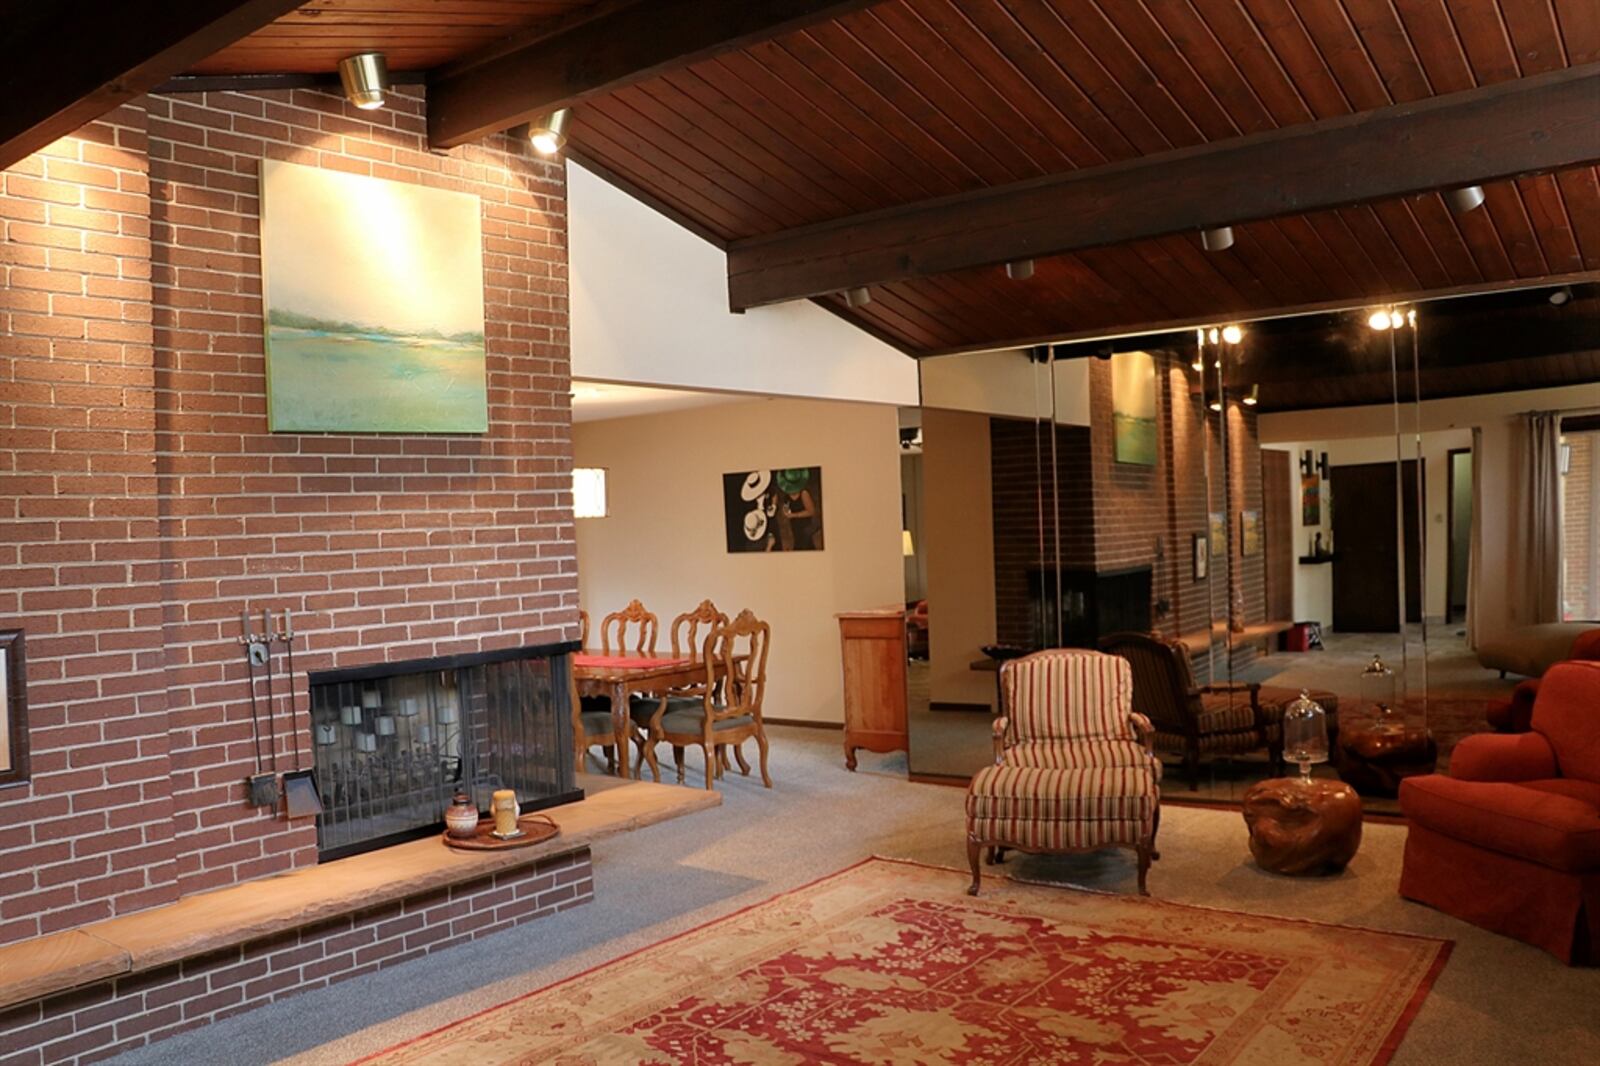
395, 742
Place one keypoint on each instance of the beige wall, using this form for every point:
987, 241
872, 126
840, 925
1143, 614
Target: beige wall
958, 535
663, 540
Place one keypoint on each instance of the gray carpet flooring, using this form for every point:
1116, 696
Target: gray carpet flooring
1497, 1001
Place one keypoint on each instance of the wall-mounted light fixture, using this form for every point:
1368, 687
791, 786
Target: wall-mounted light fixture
365, 79
548, 133
1217, 239
1020, 269
1232, 334
589, 492
1467, 198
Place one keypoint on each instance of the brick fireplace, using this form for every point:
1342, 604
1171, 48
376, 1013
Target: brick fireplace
144, 502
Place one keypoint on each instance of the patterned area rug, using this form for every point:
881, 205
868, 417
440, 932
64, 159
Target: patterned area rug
891, 962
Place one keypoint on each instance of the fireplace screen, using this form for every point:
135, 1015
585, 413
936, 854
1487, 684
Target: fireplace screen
395, 742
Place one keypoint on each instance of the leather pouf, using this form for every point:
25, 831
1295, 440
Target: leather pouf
1302, 829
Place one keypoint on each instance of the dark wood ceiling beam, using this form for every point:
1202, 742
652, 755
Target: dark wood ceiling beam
620, 45
1526, 126
68, 62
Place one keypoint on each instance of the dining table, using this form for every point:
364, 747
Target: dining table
619, 674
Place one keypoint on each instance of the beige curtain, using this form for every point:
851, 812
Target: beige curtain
1475, 540
1540, 540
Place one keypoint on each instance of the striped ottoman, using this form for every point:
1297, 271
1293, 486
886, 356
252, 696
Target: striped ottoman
1047, 809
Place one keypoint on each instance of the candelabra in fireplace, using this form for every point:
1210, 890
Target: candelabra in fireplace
394, 742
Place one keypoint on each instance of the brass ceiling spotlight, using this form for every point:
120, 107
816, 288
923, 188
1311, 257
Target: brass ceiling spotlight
1020, 269
1467, 198
548, 133
1561, 296
1216, 239
857, 297
365, 78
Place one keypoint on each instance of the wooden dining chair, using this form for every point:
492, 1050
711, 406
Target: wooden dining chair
686, 634
614, 630
729, 712
583, 628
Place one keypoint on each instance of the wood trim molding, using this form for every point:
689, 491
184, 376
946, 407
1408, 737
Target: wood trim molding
1513, 128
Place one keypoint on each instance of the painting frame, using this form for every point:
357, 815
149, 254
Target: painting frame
1134, 436
1201, 552
1218, 530
373, 304
13, 708
774, 510
1250, 539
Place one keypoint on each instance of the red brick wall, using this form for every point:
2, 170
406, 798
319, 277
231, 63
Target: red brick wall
105, 1019
144, 500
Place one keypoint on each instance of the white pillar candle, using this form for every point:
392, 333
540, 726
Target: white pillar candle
408, 707
327, 734
370, 699
350, 714
385, 726
366, 742
424, 734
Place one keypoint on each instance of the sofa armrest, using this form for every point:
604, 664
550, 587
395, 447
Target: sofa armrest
1144, 730
1503, 757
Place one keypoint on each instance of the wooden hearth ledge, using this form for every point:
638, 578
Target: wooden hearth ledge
210, 921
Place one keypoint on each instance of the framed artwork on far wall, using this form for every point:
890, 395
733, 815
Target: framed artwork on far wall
1202, 557
1310, 500
1219, 533
773, 510
13, 708
1133, 408
1249, 533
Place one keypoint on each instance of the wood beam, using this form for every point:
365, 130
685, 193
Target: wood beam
67, 62
1526, 126
620, 45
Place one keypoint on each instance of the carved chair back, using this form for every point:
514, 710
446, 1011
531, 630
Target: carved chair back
689, 629
615, 628
735, 655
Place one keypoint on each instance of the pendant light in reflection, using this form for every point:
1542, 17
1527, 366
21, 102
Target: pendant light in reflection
1217, 239
548, 133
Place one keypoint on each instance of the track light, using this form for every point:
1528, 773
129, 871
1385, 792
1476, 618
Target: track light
1560, 297
1020, 270
548, 133
1232, 334
1467, 198
857, 297
1379, 319
1252, 397
365, 78
1216, 239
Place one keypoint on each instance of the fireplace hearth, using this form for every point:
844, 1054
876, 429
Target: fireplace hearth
395, 741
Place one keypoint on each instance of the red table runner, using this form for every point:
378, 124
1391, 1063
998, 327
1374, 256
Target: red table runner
625, 662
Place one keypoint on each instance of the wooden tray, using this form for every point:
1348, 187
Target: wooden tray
536, 829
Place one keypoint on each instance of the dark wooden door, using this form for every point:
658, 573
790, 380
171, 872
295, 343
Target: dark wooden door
1278, 505
1366, 580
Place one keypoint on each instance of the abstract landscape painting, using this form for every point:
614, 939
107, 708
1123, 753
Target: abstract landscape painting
374, 304
1133, 408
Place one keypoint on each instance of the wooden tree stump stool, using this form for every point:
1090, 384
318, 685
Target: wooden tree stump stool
1302, 829
1375, 761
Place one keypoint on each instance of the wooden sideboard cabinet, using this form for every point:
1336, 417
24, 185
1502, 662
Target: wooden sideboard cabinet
873, 645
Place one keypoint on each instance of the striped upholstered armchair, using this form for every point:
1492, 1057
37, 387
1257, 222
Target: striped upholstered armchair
1193, 720
1073, 771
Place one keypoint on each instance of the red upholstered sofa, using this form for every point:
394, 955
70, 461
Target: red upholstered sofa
1510, 840
1516, 714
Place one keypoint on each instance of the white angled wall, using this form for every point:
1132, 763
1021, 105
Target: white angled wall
650, 307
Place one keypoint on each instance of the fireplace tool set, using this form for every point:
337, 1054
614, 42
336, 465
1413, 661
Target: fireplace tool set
299, 785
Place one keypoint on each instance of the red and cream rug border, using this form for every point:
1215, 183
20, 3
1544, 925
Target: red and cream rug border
1384, 1054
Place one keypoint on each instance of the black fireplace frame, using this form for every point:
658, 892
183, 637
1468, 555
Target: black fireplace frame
561, 689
